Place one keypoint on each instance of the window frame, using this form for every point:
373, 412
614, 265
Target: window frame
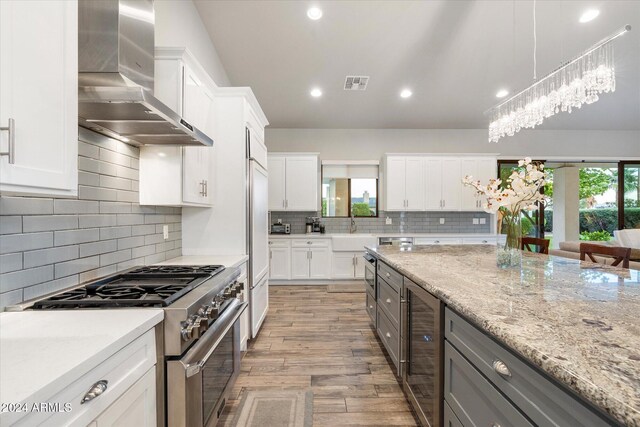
620, 195
377, 215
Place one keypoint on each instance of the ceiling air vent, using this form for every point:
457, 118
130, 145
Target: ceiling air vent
356, 82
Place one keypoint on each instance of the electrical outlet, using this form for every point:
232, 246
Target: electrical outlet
476, 221
483, 220
388, 221
165, 231
441, 220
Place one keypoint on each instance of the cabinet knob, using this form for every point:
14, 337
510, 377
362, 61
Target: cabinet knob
388, 300
388, 335
371, 307
388, 275
495, 425
437, 241
501, 368
308, 243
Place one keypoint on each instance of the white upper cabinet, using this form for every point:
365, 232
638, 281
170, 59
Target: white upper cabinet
39, 97
293, 182
482, 169
405, 183
180, 176
443, 184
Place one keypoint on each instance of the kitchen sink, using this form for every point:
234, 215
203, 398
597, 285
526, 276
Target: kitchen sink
352, 242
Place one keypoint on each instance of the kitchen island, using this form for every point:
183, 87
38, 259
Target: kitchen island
577, 323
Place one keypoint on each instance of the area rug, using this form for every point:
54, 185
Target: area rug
346, 288
275, 408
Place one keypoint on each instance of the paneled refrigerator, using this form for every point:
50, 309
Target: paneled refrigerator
257, 231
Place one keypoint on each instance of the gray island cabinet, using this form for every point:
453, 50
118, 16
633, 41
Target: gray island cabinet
466, 357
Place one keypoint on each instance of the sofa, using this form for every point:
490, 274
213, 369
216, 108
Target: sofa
625, 238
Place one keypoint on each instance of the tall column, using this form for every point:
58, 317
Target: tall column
566, 204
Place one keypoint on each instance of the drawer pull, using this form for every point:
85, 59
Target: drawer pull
388, 335
388, 300
437, 241
96, 390
502, 369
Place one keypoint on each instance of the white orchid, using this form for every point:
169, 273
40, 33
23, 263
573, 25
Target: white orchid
521, 192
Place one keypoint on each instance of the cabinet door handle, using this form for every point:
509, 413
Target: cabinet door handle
11, 149
206, 188
96, 390
283, 203
270, 254
311, 254
501, 368
286, 204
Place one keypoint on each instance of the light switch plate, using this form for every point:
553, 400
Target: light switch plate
165, 231
476, 221
483, 220
388, 221
441, 220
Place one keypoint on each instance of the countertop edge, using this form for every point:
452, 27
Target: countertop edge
591, 393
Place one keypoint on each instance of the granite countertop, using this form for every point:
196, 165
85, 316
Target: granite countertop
229, 261
42, 352
580, 323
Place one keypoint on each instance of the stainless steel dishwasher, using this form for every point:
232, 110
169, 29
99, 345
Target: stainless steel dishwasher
395, 241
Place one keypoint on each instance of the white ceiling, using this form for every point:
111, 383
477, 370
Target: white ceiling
453, 55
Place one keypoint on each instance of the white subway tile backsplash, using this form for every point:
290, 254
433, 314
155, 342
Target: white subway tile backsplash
76, 266
20, 279
65, 206
25, 206
10, 262
72, 237
115, 232
10, 224
97, 248
50, 256
25, 242
50, 244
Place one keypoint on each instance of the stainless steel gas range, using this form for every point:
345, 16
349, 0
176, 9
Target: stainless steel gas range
198, 342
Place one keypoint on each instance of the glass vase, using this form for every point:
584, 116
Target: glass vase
509, 254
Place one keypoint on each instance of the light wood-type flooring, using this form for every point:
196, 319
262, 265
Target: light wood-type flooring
323, 341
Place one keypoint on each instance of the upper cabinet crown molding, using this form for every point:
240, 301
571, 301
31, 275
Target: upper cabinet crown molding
249, 97
39, 102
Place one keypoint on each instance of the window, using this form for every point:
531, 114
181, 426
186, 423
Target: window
344, 197
349, 188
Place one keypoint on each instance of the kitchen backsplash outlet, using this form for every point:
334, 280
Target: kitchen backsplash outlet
401, 222
48, 244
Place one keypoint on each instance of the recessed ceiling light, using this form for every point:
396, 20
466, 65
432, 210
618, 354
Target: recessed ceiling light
589, 15
502, 93
314, 13
316, 93
406, 93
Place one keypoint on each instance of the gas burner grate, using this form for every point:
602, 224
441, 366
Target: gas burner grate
210, 270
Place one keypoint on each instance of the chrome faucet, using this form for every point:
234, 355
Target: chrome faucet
352, 226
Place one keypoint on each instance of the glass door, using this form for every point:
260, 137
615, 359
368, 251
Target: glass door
629, 192
423, 339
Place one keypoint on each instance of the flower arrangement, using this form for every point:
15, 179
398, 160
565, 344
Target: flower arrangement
521, 191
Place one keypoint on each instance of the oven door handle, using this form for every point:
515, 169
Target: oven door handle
193, 361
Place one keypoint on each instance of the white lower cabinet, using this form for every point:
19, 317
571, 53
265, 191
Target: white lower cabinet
347, 265
279, 260
311, 259
136, 407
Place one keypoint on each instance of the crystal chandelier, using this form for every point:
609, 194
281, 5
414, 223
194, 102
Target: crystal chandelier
578, 81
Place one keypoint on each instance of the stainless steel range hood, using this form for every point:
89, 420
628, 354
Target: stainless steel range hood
115, 81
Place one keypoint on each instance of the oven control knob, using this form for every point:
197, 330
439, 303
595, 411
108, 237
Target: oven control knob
230, 292
212, 311
187, 331
238, 286
204, 324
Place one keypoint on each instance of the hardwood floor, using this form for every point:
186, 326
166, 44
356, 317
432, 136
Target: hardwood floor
323, 341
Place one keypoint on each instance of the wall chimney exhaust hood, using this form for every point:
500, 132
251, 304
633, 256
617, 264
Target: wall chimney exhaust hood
115, 82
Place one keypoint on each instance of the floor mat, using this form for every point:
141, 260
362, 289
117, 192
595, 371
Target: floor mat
275, 408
